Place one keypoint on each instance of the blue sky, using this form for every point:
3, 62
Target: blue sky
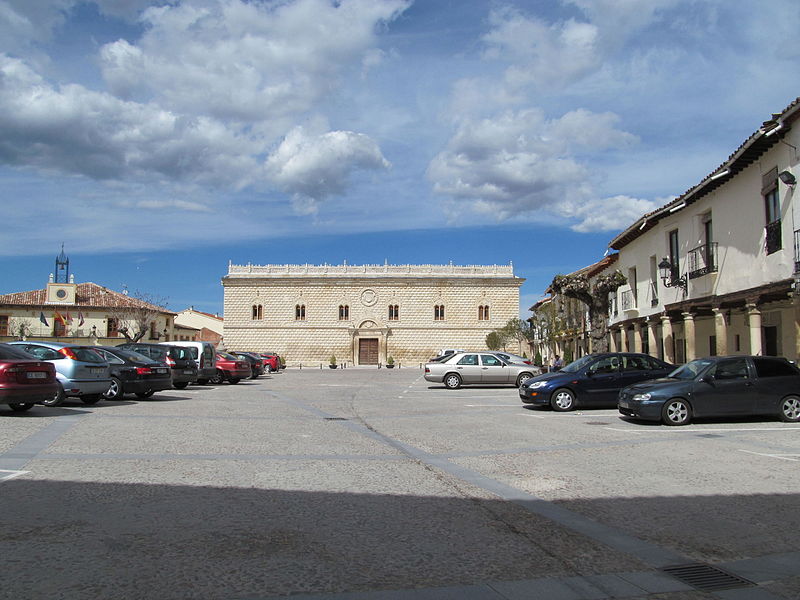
159, 140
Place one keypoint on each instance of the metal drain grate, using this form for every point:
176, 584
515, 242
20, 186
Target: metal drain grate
597, 423
707, 578
336, 419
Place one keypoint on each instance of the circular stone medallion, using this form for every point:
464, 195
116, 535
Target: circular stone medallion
369, 297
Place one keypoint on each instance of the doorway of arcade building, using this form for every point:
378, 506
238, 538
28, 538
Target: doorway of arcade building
368, 351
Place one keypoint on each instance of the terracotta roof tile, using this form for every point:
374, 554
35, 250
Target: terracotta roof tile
87, 295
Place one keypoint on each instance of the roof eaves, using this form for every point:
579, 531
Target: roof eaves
745, 154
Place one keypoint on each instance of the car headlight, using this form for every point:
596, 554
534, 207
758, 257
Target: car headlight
641, 397
537, 384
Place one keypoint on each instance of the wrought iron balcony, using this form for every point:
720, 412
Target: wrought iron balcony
703, 260
773, 231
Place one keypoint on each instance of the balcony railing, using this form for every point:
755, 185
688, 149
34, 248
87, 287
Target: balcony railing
797, 251
773, 231
703, 260
627, 300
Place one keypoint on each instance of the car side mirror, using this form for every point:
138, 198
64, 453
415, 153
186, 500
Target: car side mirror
709, 379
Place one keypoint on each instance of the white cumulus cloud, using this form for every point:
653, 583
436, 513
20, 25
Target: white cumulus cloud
521, 162
313, 166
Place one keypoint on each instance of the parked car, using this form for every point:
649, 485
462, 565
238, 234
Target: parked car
230, 369
592, 380
204, 355
467, 368
444, 354
80, 371
516, 359
256, 362
721, 386
24, 380
177, 358
272, 362
134, 373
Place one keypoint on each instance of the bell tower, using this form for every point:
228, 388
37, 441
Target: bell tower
61, 288
62, 267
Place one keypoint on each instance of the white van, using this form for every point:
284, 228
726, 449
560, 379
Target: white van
204, 354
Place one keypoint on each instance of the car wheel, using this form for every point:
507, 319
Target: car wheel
114, 391
452, 381
91, 399
254, 374
523, 378
562, 400
269, 368
676, 412
57, 399
146, 394
17, 407
234, 380
790, 409
218, 378
180, 385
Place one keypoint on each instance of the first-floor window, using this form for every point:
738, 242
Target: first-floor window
300, 312
258, 312
394, 312
438, 312
3, 324
153, 334
483, 313
344, 312
113, 327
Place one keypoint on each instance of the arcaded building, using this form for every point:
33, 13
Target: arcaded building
364, 314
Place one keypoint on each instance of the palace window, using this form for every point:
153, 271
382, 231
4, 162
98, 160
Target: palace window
258, 312
344, 312
394, 312
438, 312
300, 312
483, 313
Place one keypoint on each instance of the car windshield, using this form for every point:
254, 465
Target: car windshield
133, 357
577, 365
690, 370
9, 352
87, 355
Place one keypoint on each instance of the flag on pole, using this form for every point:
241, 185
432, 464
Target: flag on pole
42, 320
80, 316
59, 317
68, 317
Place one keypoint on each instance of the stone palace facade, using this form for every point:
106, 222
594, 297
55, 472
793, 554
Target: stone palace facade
363, 314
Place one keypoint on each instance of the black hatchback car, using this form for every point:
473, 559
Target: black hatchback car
721, 386
178, 358
134, 373
592, 380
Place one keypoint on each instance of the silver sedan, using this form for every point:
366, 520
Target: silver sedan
486, 368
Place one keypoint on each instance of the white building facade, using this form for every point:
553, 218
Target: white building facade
714, 272
364, 314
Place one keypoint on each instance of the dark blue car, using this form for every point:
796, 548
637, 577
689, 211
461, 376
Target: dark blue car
592, 380
729, 386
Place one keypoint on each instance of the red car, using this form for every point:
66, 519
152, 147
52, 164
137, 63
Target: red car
272, 362
24, 380
231, 369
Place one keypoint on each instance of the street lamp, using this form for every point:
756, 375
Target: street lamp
668, 277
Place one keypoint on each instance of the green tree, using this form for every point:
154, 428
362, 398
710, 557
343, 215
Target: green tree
495, 340
518, 330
